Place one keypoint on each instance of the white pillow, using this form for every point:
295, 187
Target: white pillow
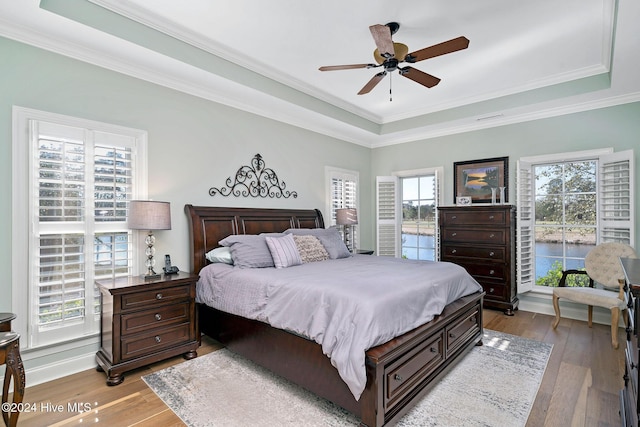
283, 251
221, 254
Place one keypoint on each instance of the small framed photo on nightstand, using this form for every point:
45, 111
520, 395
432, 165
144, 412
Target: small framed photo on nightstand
463, 200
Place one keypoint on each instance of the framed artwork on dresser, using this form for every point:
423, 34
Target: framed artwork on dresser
476, 178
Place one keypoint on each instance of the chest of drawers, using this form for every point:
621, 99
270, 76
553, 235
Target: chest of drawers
482, 240
143, 322
629, 401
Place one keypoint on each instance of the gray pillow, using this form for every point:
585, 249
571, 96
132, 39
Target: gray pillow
329, 237
248, 250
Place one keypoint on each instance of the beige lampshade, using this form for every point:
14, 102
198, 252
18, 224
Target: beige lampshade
346, 216
149, 215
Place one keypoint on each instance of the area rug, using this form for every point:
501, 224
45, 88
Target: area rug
494, 385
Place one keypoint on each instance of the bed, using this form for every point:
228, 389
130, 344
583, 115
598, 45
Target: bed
398, 372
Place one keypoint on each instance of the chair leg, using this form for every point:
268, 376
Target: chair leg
615, 318
590, 322
556, 308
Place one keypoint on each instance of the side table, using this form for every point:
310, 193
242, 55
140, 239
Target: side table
146, 321
10, 355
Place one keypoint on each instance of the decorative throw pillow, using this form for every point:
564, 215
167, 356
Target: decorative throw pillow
310, 248
329, 237
248, 250
283, 251
221, 254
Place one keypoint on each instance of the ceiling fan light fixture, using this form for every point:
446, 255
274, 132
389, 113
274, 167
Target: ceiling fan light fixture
401, 50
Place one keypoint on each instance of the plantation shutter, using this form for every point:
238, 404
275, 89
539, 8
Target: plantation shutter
81, 186
616, 198
387, 217
438, 174
524, 223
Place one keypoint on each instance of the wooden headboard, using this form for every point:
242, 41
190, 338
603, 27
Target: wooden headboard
208, 225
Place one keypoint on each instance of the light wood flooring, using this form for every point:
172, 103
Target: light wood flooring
580, 387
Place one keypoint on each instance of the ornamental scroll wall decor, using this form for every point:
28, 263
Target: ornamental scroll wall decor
254, 181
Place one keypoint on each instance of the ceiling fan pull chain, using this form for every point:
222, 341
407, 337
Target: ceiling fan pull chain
390, 94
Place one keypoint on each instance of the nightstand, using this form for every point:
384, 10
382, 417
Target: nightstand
364, 251
143, 322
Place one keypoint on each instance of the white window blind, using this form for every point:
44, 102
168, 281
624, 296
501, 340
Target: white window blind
524, 222
73, 179
388, 216
616, 204
83, 183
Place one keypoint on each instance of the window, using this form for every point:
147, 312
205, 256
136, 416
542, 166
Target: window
342, 193
407, 214
565, 222
80, 178
419, 217
567, 204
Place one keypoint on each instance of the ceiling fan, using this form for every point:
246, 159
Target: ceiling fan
390, 54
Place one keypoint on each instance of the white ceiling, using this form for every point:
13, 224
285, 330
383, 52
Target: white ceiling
525, 60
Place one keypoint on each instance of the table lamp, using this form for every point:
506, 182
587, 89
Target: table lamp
149, 215
347, 217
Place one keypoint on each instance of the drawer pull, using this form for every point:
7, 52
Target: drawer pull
158, 295
453, 251
398, 377
491, 290
492, 272
454, 234
158, 339
433, 350
454, 217
492, 253
491, 236
158, 316
491, 216
452, 335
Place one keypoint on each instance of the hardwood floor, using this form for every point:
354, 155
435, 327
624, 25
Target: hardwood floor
580, 386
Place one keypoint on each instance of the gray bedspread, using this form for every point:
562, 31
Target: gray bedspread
346, 305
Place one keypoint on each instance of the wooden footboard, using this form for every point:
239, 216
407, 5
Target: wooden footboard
399, 372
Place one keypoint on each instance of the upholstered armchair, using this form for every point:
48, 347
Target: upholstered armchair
602, 266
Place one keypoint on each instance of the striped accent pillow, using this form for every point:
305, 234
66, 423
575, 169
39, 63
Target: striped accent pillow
284, 251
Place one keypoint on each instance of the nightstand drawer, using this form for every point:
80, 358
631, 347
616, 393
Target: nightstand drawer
148, 343
146, 299
158, 317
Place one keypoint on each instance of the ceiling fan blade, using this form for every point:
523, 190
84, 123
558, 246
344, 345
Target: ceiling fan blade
443, 48
346, 67
372, 83
419, 76
382, 36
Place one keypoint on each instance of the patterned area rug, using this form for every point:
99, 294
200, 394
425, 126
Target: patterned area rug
494, 385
